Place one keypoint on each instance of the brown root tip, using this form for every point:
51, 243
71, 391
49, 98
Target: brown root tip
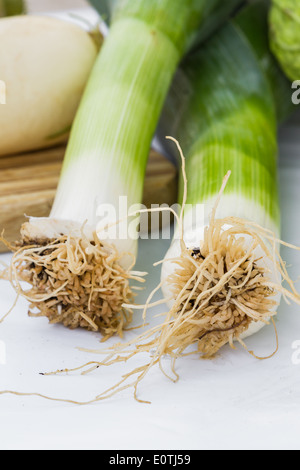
220, 290
76, 282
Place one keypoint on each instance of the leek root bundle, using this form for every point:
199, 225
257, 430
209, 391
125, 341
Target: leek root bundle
77, 279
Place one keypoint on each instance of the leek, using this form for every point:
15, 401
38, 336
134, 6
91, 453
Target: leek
79, 278
228, 123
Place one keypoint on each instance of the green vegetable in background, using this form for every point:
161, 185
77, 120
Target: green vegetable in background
285, 35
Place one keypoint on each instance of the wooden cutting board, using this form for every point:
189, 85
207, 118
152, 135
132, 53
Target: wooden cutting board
28, 184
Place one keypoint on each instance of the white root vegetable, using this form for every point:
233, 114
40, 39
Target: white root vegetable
44, 66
